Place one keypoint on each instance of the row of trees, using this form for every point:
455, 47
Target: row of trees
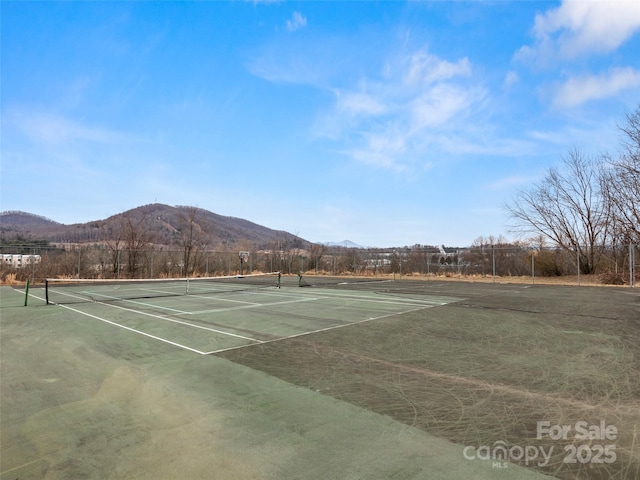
589, 205
487, 257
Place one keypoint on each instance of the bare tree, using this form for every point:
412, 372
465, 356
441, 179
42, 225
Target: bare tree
129, 239
113, 235
620, 182
192, 239
569, 208
316, 251
138, 241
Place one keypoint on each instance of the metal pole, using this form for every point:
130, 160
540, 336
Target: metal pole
632, 263
26, 292
578, 250
533, 276
493, 253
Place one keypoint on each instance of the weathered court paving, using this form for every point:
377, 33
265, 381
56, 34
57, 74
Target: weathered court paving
396, 379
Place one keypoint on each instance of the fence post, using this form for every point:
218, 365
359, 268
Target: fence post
533, 275
578, 253
26, 292
632, 264
428, 265
493, 254
33, 265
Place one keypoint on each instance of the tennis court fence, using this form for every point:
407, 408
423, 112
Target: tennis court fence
612, 264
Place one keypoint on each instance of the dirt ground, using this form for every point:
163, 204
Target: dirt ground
82, 399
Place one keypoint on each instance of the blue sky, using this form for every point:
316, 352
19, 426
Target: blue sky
385, 123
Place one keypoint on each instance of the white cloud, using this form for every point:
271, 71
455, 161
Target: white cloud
580, 27
359, 103
425, 68
296, 22
511, 182
47, 128
397, 112
382, 149
578, 90
511, 78
390, 121
440, 104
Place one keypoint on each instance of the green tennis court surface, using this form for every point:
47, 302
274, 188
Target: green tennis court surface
209, 322
394, 379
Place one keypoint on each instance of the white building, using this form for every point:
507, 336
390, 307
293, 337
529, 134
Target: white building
17, 260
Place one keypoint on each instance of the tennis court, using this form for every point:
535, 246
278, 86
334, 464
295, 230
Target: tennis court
216, 316
346, 379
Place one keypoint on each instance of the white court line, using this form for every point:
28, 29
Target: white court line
161, 317
392, 300
218, 297
22, 292
334, 327
148, 334
422, 307
133, 330
163, 293
256, 341
152, 305
253, 305
248, 305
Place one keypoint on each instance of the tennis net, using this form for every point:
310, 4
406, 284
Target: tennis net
329, 281
65, 290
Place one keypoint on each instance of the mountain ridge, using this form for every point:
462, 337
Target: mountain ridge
344, 244
164, 222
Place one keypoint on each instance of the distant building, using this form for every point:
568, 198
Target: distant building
17, 260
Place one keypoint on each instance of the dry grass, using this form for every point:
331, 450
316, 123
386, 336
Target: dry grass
10, 280
569, 280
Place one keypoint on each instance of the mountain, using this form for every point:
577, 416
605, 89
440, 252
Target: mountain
344, 244
163, 223
19, 219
